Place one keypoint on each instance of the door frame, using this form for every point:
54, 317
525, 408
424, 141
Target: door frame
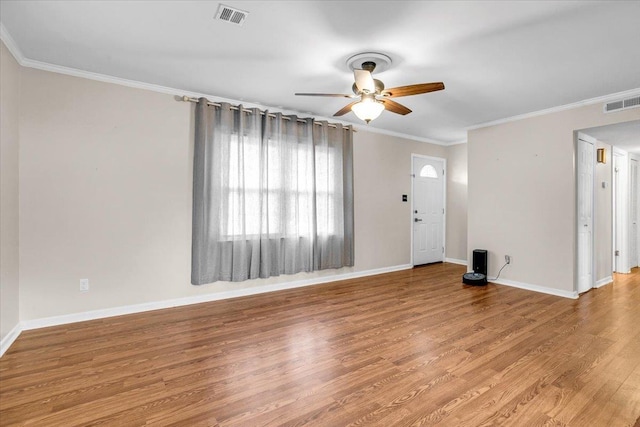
576, 222
444, 203
621, 211
636, 158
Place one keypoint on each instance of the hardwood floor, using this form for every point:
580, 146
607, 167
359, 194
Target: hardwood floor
410, 348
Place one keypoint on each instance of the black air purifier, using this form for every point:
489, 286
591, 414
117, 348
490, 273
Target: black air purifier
478, 276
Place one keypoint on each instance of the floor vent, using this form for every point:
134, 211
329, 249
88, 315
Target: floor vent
231, 15
623, 104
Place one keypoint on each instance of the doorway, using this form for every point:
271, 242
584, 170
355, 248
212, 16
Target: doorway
620, 211
427, 209
615, 240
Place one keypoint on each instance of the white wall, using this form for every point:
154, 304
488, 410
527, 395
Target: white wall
9, 191
382, 174
457, 202
106, 187
105, 195
522, 194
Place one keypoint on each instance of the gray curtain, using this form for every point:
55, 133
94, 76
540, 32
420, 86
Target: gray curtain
272, 195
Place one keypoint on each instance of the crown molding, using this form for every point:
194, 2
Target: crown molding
462, 141
591, 101
45, 66
365, 128
11, 44
29, 63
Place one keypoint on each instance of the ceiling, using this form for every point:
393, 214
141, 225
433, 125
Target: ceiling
497, 59
624, 135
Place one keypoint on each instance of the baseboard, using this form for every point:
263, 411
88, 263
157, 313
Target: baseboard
602, 282
10, 338
536, 288
456, 261
158, 305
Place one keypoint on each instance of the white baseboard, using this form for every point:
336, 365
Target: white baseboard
456, 261
157, 305
602, 282
536, 288
10, 338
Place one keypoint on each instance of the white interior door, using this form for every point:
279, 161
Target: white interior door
585, 167
634, 192
621, 225
428, 210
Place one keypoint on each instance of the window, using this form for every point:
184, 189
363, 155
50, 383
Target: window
428, 171
272, 195
275, 195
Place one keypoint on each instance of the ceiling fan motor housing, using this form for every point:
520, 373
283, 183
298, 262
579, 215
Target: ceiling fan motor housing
378, 84
369, 66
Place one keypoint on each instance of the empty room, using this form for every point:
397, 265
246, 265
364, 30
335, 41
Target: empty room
319, 213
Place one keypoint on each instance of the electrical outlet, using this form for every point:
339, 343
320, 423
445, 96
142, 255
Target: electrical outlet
84, 285
507, 259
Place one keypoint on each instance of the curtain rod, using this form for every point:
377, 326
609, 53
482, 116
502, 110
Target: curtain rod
185, 98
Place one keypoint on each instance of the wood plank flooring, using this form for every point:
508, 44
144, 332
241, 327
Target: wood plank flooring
410, 348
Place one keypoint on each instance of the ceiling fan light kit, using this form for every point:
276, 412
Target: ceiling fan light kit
368, 109
373, 96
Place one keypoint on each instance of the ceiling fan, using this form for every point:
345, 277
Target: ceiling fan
371, 93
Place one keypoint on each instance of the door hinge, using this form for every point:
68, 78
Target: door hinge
443, 249
617, 253
442, 211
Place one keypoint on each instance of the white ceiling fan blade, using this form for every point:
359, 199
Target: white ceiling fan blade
364, 81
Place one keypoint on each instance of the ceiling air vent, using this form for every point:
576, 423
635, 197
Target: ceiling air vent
231, 15
623, 104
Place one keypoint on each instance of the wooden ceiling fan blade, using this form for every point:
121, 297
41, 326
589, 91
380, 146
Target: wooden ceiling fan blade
416, 89
394, 107
344, 110
364, 81
338, 95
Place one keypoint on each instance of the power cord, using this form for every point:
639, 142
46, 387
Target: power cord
496, 278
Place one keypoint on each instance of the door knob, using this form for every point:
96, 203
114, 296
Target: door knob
417, 220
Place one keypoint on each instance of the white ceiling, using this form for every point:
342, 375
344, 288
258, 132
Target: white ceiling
497, 59
624, 135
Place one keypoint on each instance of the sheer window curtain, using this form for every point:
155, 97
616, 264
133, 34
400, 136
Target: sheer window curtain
272, 195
